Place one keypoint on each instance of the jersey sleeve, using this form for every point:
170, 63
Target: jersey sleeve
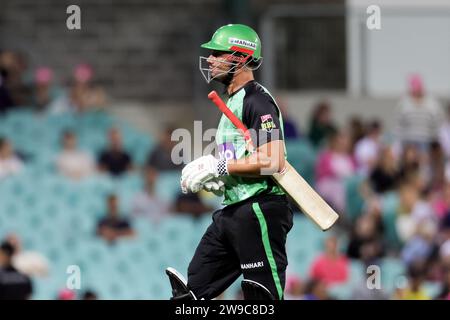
261, 117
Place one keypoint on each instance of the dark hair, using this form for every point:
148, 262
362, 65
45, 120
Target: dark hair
7, 248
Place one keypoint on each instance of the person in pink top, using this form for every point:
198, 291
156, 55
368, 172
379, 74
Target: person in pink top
334, 165
331, 267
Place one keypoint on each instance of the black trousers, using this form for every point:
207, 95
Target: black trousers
246, 238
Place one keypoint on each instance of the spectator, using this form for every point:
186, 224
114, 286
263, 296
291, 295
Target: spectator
444, 134
31, 263
365, 240
10, 163
115, 159
333, 166
72, 162
160, 157
434, 167
331, 267
6, 101
410, 161
84, 94
414, 290
356, 131
66, 294
368, 148
294, 288
44, 92
413, 210
441, 203
385, 175
321, 124
146, 203
89, 295
112, 226
14, 285
316, 289
290, 127
421, 245
419, 116
13, 66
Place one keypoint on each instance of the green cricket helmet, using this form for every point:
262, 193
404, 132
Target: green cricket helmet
240, 41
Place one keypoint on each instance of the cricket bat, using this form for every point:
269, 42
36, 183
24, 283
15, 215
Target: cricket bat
303, 195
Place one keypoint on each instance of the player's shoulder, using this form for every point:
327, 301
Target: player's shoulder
256, 94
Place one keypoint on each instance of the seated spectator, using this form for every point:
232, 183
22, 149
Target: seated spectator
10, 163
410, 161
365, 240
434, 167
441, 203
294, 288
45, 93
14, 285
331, 267
114, 159
13, 66
31, 263
444, 293
356, 131
160, 157
414, 289
367, 149
6, 101
84, 94
146, 203
66, 295
413, 210
73, 162
89, 295
192, 204
315, 289
385, 175
444, 133
321, 124
422, 245
333, 166
290, 127
112, 226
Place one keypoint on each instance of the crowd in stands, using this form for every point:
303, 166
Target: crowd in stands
412, 164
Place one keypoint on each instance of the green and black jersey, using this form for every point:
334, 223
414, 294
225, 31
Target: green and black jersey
257, 109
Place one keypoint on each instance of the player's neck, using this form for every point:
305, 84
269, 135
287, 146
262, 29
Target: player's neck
239, 80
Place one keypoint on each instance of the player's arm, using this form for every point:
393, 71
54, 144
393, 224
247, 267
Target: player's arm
261, 117
267, 159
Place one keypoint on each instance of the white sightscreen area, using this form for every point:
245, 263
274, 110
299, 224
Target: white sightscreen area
411, 40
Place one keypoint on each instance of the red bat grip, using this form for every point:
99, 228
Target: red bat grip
214, 97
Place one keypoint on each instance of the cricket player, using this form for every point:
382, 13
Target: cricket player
248, 235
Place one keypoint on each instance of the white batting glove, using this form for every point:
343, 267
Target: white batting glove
215, 186
195, 174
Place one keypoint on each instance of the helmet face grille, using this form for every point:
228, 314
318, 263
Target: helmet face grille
235, 61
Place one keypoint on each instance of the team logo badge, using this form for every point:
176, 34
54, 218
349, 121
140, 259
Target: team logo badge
267, 123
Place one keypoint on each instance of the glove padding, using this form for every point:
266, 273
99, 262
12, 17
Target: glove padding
215, 186
198, 172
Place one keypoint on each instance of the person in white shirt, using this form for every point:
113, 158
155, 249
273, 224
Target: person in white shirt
72, 162
10, 163
146, 203
367, 149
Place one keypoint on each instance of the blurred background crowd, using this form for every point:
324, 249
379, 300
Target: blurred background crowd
83, 185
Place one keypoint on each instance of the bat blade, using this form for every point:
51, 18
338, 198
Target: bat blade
306, 198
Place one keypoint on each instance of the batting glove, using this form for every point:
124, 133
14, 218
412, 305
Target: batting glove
198, 172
